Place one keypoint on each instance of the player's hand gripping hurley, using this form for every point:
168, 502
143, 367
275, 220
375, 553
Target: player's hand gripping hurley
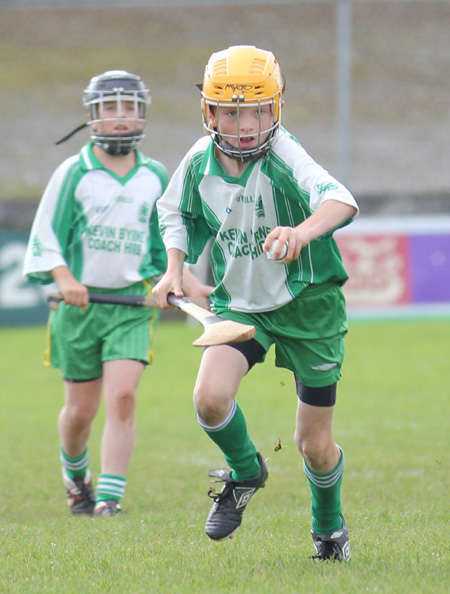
216, 331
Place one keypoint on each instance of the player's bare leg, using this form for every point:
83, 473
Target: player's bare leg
221, 371
82, 400
314, 437
323, 465
121, 380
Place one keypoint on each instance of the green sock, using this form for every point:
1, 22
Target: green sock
75, 467
232, 438
326, 497
110, 487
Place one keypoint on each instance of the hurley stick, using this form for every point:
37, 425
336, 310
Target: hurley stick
216, 330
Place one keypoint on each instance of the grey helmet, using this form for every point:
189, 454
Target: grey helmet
119, 86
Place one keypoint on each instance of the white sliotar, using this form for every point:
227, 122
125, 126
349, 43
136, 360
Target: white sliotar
270, 254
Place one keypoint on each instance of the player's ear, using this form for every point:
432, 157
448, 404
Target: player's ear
212, 122
89, 120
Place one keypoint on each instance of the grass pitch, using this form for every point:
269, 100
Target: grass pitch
391, 419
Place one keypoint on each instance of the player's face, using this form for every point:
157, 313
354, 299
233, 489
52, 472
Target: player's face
119, 117
244, 127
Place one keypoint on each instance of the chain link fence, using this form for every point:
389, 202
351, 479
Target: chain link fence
398, 100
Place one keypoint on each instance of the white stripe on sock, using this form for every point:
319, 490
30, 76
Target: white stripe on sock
222, 424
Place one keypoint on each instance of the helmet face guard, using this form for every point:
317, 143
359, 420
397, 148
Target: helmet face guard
221, 140
241, 76
116, 86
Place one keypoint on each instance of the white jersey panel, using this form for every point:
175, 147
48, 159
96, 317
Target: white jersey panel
111, 219
115, 240
251, 280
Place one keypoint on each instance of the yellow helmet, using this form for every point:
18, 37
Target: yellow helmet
242, 76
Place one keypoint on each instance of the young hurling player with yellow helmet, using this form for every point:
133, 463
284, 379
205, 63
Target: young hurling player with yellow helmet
270, 211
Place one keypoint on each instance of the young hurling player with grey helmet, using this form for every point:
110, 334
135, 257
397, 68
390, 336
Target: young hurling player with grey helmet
270, 211
96, 230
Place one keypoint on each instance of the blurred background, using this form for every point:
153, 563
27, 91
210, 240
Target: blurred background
368, 95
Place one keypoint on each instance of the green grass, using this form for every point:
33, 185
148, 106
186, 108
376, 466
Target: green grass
391, 419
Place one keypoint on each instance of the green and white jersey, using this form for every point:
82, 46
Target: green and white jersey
283, 188
102, 226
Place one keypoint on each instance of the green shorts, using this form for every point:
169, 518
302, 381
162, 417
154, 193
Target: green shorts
308, 333
79, 341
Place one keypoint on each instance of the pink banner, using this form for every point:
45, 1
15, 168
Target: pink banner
378, 266
404, 262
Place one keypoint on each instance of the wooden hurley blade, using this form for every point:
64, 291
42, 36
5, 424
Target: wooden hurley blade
217, 330
220, 331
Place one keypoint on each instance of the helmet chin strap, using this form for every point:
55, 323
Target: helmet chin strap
242, 155
115, 146
72, 133
238, 154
